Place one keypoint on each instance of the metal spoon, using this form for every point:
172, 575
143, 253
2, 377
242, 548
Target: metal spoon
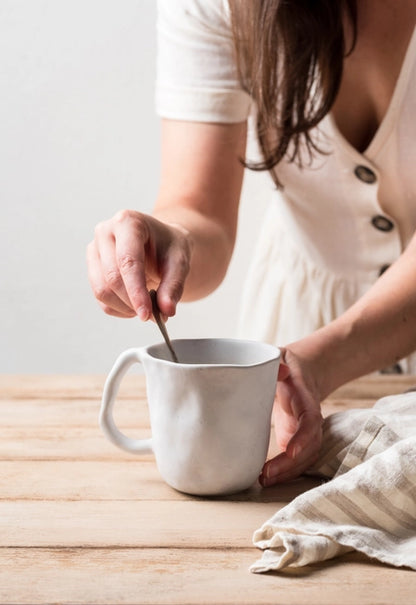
161, 325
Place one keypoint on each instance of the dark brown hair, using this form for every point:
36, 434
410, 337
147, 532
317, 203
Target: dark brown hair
290, 57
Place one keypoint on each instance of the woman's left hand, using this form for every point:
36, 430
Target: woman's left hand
297, 421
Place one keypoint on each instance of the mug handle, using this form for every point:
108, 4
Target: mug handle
111, 387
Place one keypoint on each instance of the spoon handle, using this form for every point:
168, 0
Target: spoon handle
161, 325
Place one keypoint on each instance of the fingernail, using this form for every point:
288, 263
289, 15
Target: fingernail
142, 313
271, 470
296, 450
264, 481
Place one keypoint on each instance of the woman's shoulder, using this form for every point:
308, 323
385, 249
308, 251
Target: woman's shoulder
207, 14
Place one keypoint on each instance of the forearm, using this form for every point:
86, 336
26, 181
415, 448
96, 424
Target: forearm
374, 333
200, 186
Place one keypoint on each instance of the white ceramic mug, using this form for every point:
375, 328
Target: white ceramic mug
210, 414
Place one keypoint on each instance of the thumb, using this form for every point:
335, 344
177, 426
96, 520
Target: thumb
284, 370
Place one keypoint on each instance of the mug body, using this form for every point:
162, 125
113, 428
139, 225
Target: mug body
210, 414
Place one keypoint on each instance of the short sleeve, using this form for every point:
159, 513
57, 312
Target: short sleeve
197, 78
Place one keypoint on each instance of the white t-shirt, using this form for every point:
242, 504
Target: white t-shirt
339, 222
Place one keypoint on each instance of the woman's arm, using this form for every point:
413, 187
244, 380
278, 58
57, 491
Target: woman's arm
377, 331
200, 190
185, 247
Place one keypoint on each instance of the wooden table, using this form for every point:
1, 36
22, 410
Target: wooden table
82, 522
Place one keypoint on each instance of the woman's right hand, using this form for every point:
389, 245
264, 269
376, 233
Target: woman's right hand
196, 210
132, 253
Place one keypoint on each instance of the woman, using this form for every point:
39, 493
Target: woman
333, 87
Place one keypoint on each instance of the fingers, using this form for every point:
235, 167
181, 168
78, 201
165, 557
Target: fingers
298, 426
107, 299
131, 237
173, 278
132, 253
116, 267
107, 269
301, 452
308, 434
283, 468
291, 464
284, 371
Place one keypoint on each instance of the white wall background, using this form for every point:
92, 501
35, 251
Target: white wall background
79, 140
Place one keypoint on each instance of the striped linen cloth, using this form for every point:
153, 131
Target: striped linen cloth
369, 504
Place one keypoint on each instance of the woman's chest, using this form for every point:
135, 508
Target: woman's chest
371, 73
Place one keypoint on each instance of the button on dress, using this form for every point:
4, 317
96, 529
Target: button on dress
338, 222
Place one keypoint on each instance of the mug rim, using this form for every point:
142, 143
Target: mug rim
274, 352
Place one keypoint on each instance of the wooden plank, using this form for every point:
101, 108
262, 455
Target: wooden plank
47, 430
121, 480
194, 523
133, 385
70, 443
42, 429
189, 576
41, 386
127, 413
70, 412
375, 386
332, 406
75, 480
73, 443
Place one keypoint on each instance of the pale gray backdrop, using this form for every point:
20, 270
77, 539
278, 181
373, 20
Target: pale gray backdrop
79, 140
